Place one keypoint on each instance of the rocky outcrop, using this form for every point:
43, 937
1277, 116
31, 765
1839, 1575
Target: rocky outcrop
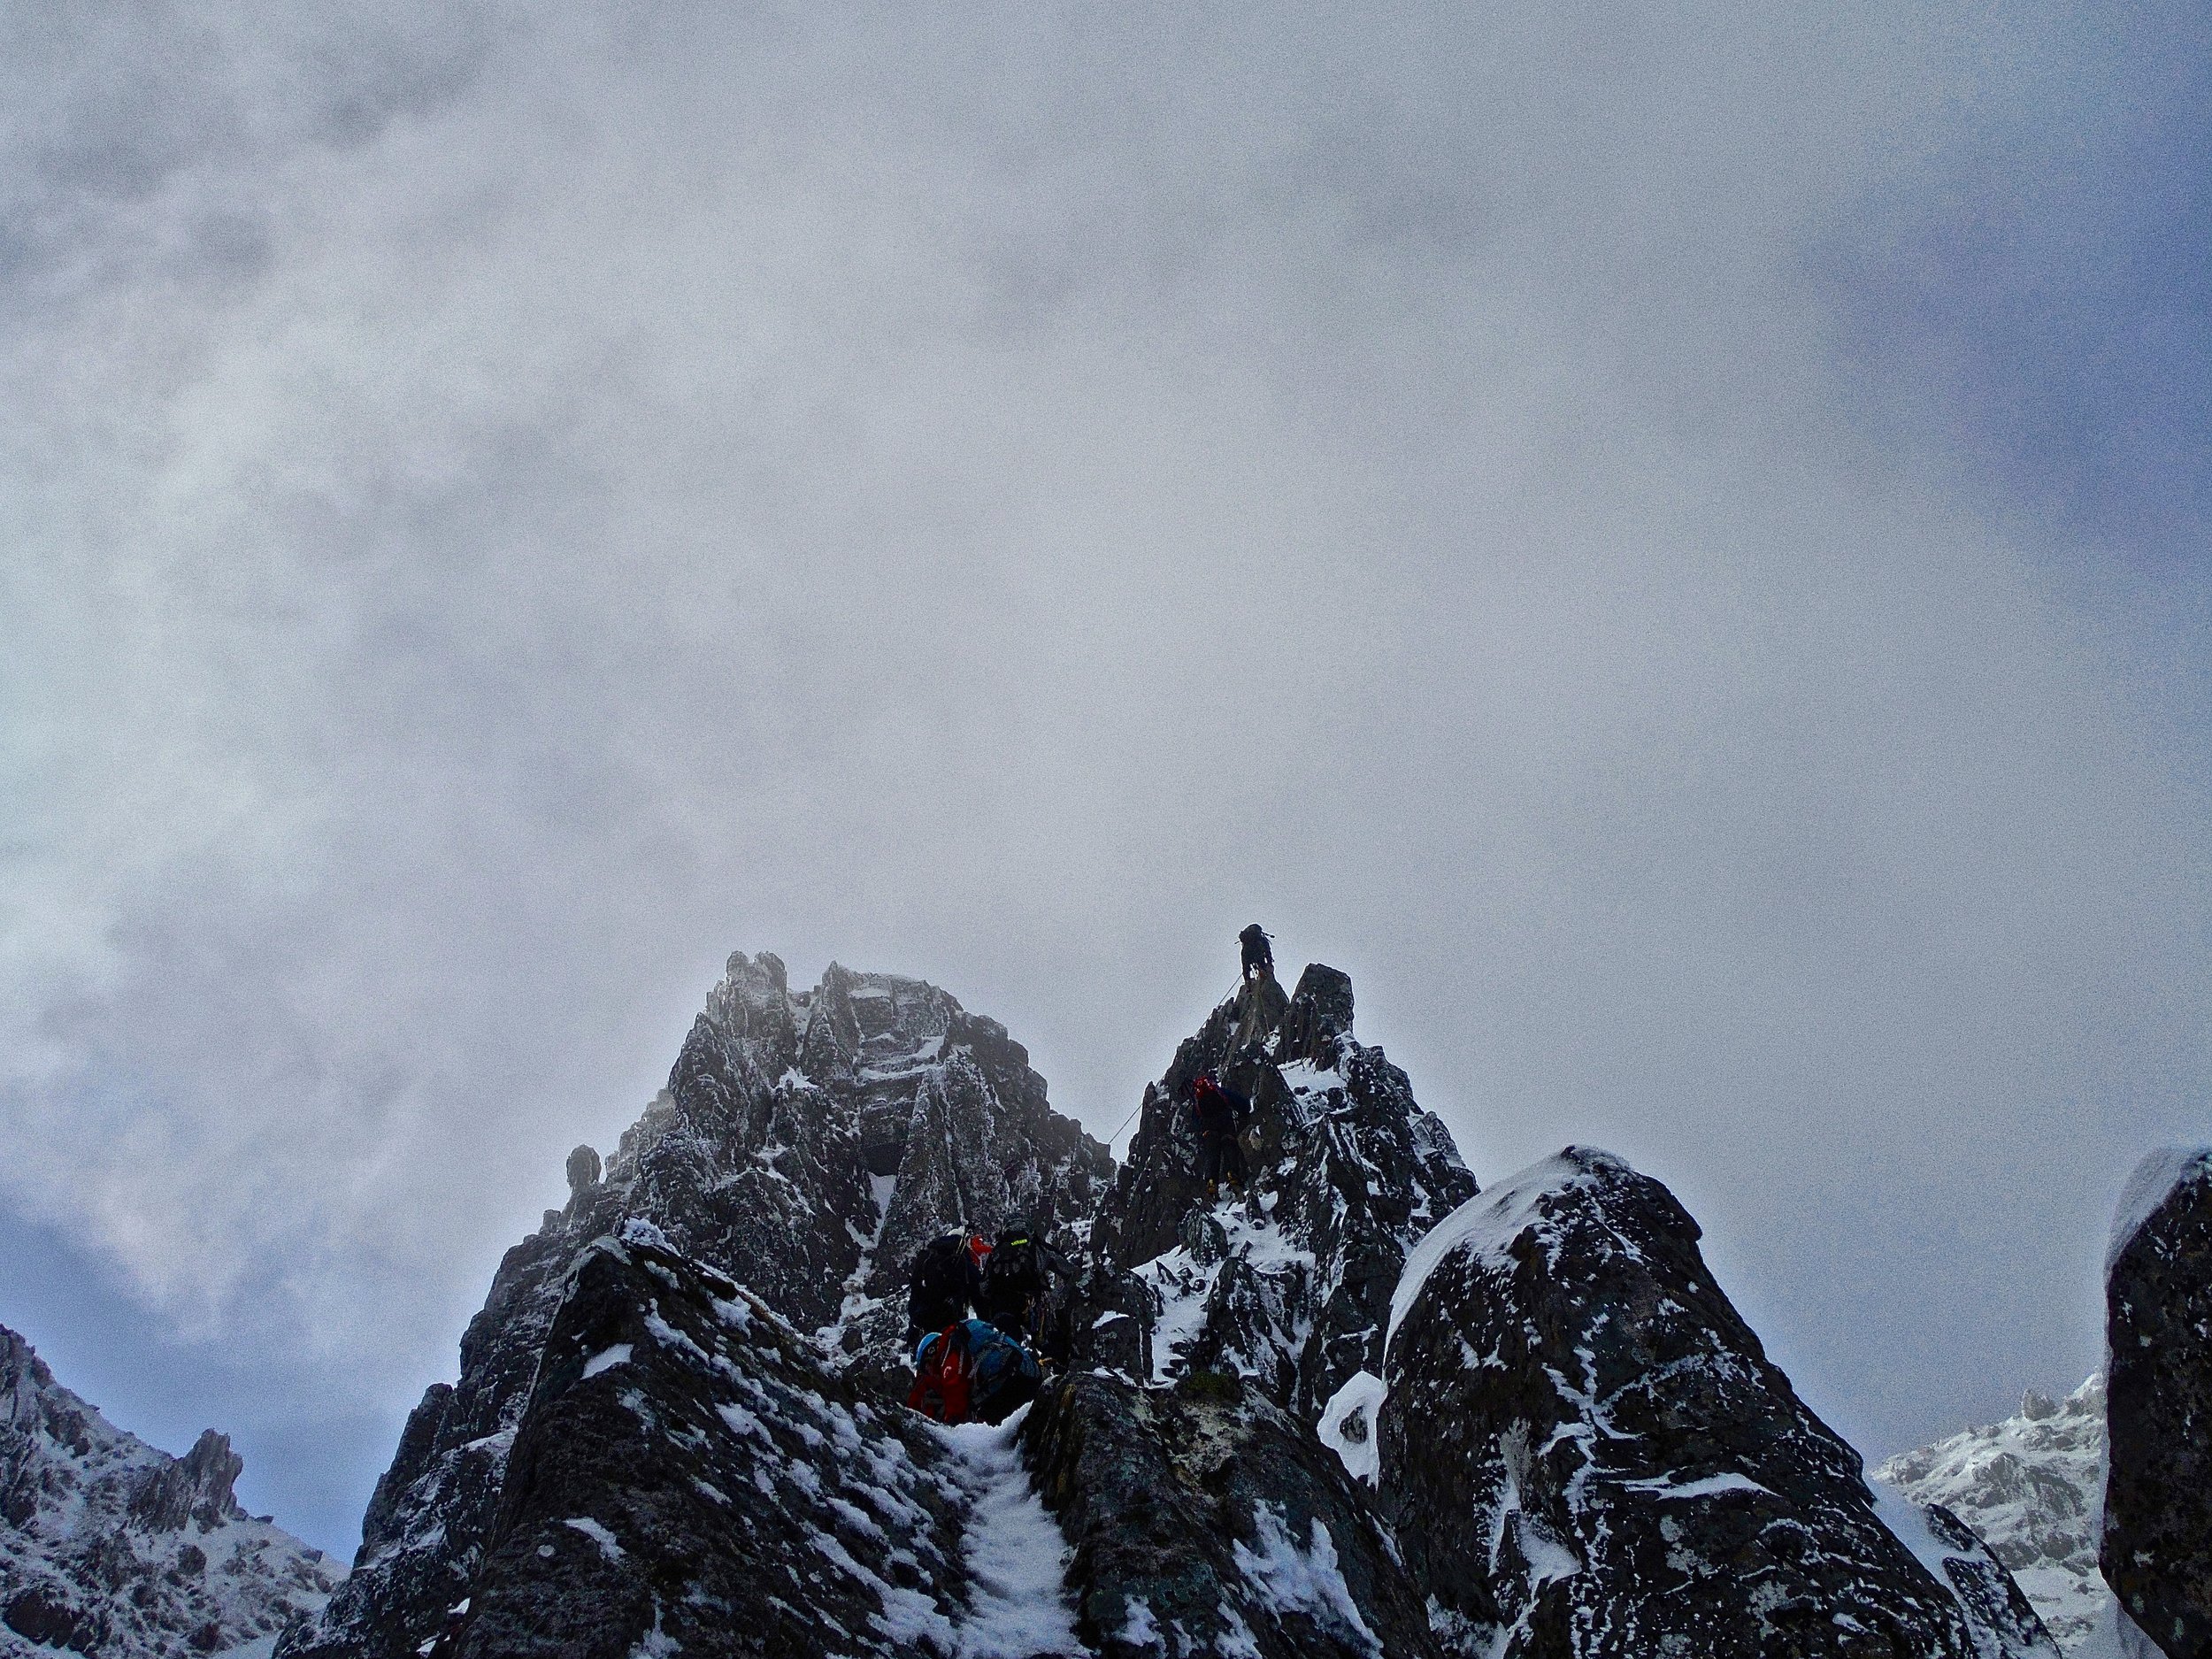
1290, 1286
2157, 1544
2032, 1488
672, 1432
689, 1476
1203, 1521
1585, 1450
805, 1143
111, 1547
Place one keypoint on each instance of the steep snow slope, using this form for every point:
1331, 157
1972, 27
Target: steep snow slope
2032, 1487
110, 1547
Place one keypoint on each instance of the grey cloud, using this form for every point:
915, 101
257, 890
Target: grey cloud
1010, 497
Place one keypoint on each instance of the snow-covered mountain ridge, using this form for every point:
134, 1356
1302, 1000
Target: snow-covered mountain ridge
113, 1548
675, 1429
2032, 1487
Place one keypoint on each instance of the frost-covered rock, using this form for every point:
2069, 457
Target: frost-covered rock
805, 1142
1585, 1451
2158, 1544
2032, 1488
1205, 1522
1289, 1287
111, 1548
689, 1476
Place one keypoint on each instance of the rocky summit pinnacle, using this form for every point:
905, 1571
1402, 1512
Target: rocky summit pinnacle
1349, 1406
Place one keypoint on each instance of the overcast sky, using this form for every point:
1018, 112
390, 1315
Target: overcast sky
1670, 543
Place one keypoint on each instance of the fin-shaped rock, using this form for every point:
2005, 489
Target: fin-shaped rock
1585, 1451
2157, 1544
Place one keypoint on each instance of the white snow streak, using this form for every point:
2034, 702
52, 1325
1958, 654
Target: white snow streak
607, 1359
598, 1535
1015, 1552
2153, 1182
1308, 1580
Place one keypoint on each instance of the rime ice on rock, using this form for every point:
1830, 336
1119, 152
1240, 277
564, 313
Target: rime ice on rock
2157, 1546
1290, 1288
109, 1547
1585, 1450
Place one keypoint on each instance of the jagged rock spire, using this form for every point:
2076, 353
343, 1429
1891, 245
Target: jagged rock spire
111, 1547
806, 1143
1289, 1285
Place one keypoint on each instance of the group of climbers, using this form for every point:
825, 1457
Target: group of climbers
981, 1367
980, 1312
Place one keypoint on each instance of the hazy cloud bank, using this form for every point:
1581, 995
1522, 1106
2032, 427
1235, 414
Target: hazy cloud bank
513, 506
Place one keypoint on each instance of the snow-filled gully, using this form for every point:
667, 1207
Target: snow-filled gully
1015, 1556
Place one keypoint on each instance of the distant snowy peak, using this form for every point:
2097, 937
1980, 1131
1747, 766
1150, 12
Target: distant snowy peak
2033, 1487
111, 1547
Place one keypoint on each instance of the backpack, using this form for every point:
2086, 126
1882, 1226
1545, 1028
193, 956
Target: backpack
1014, 1278
942, 1375
943, 1282
1003, 1373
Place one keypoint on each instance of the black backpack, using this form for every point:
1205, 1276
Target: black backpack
943, 1279
1014, 1277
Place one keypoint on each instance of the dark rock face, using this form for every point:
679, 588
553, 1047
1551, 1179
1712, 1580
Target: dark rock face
688, 1475
1585, 1451
1203, 1521
2157, 1546
808, 1143
195, 1488
675, 1428
805, 1143
1292, 1287
431, 1511
111, 1547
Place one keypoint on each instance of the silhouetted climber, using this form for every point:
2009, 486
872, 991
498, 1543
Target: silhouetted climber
1259, 956
947, 1280
1216, 1113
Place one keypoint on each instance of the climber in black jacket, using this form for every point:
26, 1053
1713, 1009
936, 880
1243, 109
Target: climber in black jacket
946, 1280
1259, 956
1217, 1114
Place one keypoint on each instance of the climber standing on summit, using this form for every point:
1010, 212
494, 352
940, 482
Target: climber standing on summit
1259, 956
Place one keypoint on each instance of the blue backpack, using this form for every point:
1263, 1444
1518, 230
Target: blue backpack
1003, 1374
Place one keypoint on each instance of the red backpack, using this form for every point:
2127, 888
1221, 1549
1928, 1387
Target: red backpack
944, 1368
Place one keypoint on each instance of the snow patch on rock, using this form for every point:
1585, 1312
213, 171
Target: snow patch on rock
1015, 1556
2149, 1187
1347, 1425
1489, 1221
